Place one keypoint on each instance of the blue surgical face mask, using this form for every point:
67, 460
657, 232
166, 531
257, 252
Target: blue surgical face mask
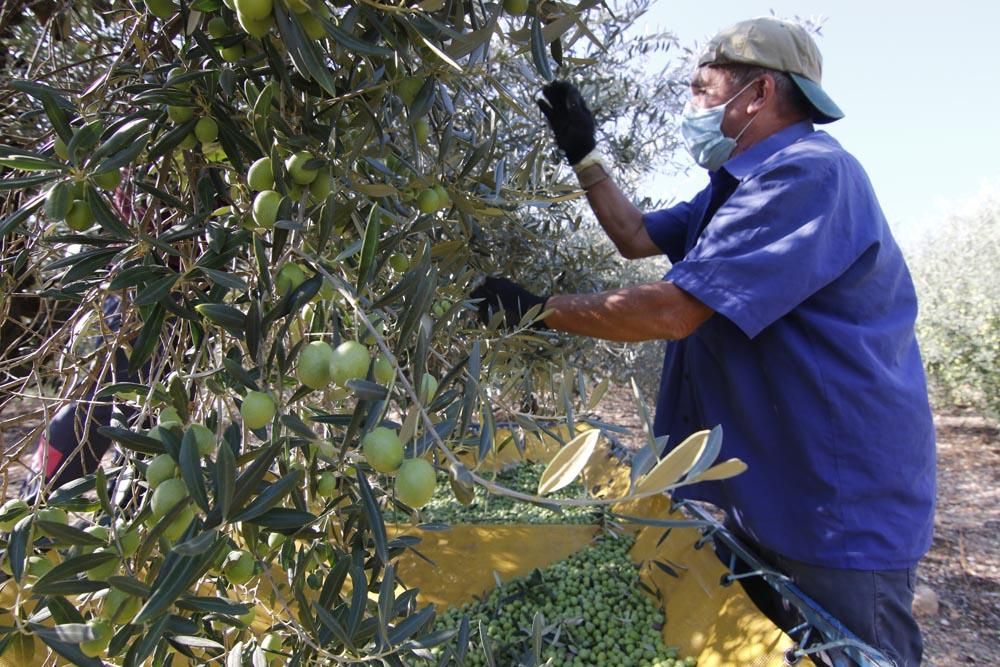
702, 133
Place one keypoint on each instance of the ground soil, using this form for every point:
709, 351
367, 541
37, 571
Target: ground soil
963, 565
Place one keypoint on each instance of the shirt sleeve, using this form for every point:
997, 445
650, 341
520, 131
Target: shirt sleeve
668, 228
782, 236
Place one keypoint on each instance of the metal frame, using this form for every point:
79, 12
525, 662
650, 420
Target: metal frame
832, 633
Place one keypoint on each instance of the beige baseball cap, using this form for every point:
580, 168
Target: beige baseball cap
779, 45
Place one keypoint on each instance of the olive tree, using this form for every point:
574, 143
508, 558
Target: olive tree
251, 228
955, 269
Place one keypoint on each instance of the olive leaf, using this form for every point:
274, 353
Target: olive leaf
674, 465
724, 470
568, 462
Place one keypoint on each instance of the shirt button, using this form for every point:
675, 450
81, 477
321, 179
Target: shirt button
686, 419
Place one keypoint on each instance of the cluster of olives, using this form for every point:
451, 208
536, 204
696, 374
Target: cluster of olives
593, 609
491, 508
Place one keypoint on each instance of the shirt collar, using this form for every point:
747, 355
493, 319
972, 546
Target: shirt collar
744, 163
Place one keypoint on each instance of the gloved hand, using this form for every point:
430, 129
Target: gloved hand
569, 118
501, 294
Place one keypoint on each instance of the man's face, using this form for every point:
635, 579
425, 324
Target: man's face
710, 87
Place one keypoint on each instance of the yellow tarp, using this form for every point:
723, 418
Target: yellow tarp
717, 624
466, 557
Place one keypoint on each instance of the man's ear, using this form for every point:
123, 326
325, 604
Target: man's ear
762, 91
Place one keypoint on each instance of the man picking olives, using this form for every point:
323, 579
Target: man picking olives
789, 314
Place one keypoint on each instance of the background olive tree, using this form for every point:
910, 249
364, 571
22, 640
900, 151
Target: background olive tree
956, 268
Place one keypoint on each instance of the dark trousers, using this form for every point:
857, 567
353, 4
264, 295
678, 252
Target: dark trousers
62, 453
873, 604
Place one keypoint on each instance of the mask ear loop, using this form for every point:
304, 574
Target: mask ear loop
749, 122
688, 106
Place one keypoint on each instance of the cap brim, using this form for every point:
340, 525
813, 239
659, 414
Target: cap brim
824, 109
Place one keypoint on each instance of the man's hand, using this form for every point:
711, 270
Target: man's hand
502, 295
569, 118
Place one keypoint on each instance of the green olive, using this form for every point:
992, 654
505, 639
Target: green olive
594, 596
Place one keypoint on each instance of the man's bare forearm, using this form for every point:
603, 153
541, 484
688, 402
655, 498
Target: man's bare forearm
651, 311
621, 220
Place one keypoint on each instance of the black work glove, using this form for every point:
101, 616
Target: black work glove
500, 294
569, 118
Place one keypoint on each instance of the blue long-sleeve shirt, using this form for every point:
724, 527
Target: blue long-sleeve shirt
810, 363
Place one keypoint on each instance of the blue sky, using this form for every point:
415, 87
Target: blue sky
919, 84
